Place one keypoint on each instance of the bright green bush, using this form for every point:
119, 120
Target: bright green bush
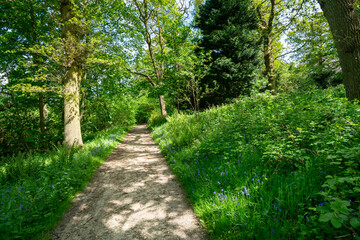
271, 167
35, 189
155, 119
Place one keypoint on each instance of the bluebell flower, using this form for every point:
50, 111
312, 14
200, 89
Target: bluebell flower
246, 191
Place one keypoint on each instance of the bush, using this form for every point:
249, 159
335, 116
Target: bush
155, 119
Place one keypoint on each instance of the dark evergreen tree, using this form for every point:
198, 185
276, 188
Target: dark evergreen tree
228, 30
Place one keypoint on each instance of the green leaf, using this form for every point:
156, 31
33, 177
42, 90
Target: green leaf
326, 217
355, 222
336, 222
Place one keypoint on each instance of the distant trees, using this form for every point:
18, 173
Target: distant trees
25, 90
313, 45
228, 29
47, 48
344, 22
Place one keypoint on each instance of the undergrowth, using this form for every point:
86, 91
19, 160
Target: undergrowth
37, 188
271, 167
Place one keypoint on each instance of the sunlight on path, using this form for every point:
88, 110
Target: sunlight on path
132, 196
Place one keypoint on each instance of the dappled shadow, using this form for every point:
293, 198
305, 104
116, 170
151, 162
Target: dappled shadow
132, 196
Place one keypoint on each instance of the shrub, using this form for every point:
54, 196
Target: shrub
155, 119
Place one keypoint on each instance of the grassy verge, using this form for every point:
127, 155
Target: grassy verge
271, 167
37, 188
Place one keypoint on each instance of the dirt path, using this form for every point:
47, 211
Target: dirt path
132, 196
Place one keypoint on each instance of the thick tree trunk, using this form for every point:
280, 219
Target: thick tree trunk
345, 27
73, 75
72, 118
162, 106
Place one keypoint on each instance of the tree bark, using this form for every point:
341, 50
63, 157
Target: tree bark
71, 107
43, 113
162, 106
268, 50
269, 65
345, 27
72, 77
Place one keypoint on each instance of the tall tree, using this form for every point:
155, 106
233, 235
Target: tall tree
155, 19
73, 32
228, 30
344, 23
267, 13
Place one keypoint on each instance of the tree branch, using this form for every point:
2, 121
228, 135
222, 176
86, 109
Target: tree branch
144, 75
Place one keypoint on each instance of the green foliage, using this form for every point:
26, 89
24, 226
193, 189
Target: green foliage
313, 41
19, 123
35, 189
268, 167
155, 119
343, 190
145, 108
103, 112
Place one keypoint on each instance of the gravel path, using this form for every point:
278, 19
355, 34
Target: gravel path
133, 195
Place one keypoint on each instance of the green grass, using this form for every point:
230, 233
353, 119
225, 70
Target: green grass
36, 189
267, 167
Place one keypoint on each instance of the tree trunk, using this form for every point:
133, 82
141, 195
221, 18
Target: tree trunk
73, 75
43, 113
269, 65
71, 107
345, 27
268, 51
162, 106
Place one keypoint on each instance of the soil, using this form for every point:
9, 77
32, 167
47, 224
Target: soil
133, 195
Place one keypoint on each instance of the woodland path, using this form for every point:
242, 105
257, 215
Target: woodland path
133, 195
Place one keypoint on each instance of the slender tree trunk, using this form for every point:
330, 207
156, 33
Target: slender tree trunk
269, 65
73, 76
145, 16
43, 113
268, 51
162, 106
345, 27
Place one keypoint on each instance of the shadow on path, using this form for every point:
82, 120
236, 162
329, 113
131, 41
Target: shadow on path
132, 196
